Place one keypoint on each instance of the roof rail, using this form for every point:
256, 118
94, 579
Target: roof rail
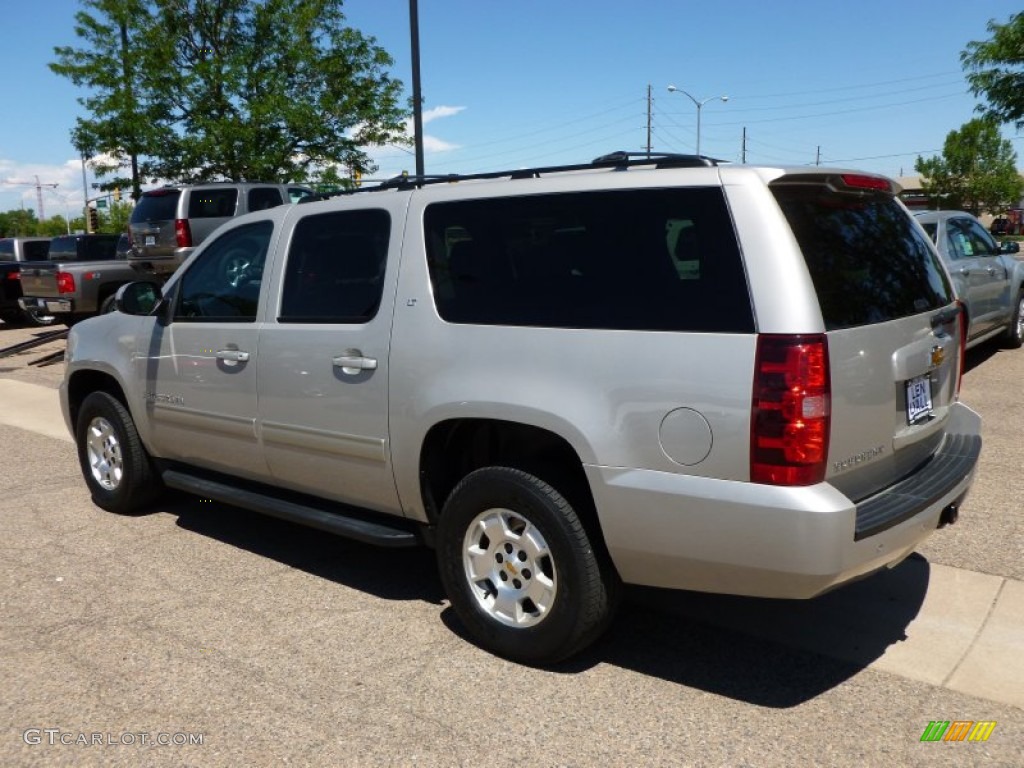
617, 160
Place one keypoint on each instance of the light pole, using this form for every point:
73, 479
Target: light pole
699, 104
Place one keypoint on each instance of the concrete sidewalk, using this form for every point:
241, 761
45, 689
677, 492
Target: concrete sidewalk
923, 621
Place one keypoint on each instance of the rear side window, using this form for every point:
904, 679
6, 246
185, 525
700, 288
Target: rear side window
868, 261
6, 247
64, 248
662, 259
335, 270
36, 250
212, 203
158, 205
99, 249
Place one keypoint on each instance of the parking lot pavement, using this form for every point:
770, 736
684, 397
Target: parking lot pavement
271, 643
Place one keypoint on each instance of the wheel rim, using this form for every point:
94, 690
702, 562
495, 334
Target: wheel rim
509, 568
104, 454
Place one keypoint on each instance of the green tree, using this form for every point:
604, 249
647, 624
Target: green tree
125, 123
231, 89
995, 70
976, 172
18, 222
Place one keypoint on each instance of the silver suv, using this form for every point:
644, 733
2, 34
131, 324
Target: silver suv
168, 223
661, 372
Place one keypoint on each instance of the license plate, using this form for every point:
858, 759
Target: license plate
150, 239
919, 399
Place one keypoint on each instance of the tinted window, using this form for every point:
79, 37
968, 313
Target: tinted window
158, 205
335, 270
932, 229
262, 198
82, 248
6, 247
868, 261
633, 260
212, 203
36, 250
223, 283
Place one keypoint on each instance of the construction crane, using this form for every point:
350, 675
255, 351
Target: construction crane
39, 191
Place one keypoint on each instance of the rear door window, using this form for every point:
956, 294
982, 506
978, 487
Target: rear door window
36, 250
868, 261
261, 198
661, 259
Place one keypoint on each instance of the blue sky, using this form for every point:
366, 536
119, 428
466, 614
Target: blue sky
867, 84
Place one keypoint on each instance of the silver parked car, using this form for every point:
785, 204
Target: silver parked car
168, 223
987, 277
662, 371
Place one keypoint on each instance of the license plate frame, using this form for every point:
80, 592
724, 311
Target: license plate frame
919, 399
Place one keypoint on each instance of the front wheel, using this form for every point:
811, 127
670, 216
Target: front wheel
1014, 337
114, 462
519, 568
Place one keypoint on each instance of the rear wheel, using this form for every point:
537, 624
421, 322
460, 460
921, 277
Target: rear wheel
114, 462
519, 568
1014, 337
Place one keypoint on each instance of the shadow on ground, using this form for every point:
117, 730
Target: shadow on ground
771, 653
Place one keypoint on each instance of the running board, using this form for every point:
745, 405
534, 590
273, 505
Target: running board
346, 522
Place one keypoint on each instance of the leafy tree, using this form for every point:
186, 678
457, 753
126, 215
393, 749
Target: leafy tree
995, 70
18, 222
124, 124
230, 89
976, 172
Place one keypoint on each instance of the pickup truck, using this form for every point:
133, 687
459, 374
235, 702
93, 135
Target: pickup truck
79, 280
13, 252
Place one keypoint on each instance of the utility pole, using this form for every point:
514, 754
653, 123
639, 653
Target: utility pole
417, 95
817, 157
743, 147
650, 108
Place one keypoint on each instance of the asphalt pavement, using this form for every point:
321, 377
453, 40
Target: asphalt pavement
199, 634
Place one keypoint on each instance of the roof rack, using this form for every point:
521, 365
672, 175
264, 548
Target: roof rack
616, 160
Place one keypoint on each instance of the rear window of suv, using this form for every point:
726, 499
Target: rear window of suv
158, 205
868, 261
213, 203
662, 259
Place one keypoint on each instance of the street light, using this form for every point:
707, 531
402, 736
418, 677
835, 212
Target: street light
699, 105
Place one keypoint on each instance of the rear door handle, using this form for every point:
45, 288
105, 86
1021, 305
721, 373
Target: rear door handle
233, 356
353, 361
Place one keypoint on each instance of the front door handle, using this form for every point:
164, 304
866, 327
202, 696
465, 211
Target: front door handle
353, 361
233, 356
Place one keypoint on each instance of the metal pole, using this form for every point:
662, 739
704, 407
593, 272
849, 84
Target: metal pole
417, 95
85, 196
699, 105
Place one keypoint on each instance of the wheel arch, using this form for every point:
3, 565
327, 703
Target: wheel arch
453, 448
84, 382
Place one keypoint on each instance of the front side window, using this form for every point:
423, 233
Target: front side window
335, 269
653, 259
223, 283
971, 238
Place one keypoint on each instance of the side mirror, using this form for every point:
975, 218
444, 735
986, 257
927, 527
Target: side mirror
138, 298
1009, 246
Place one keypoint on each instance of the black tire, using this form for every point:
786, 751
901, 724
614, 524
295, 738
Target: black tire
555, 563
108, 304
114, 463
1014, 337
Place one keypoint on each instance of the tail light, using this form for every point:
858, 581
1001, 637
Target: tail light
791, 414
182, 233
14, 275
65, 282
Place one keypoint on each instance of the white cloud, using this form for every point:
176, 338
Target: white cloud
436, 113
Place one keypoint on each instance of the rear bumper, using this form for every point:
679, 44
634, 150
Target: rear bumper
54, 306
684, 532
